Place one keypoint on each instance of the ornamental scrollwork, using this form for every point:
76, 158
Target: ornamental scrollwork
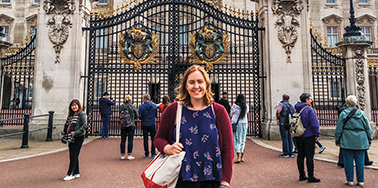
287, 23
59, 22
360, 79
138, 46
209, 45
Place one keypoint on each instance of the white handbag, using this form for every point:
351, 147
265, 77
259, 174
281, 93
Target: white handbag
164, 170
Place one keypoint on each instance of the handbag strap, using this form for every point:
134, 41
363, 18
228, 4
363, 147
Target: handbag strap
178, 120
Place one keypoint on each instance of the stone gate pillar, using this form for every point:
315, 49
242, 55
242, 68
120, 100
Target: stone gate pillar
59, 63
286, 57
354, 50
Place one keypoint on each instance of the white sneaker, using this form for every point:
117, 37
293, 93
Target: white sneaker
76, 175
68, 178
130, 158
122, 157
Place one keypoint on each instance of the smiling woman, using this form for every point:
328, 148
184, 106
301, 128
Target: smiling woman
205, 133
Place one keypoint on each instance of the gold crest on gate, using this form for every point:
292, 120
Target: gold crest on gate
209, 46
138, 45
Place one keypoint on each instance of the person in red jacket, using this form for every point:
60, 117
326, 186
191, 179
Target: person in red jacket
206, 134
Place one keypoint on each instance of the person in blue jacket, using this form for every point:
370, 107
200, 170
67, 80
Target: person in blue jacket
306, 142
105, 112
147, 114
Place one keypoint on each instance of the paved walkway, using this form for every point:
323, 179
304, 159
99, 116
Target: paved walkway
44, 164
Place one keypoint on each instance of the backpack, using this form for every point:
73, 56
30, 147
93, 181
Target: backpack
125, 118
286, 112
297, 128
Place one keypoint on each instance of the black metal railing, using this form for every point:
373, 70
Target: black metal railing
25, 132
328, 79
373, 84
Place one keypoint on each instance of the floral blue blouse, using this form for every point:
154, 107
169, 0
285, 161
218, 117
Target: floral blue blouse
199, 135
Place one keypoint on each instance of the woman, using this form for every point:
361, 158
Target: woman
239, 111
128, 131
75, 126
354, 137
206, 134
165, 104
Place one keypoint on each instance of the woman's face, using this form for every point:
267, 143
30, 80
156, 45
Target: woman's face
196, 85
74, 107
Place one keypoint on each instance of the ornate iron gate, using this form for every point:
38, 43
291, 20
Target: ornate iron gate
373, 83
328, 77
17, 71
154, 66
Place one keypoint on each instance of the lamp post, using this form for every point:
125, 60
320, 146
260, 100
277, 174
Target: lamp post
352, 29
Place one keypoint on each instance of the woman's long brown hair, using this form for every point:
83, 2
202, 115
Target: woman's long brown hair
71, 113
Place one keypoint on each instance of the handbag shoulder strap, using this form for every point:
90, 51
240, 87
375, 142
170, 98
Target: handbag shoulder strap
178, 120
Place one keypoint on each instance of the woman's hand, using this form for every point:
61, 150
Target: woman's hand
173, 149
225, 183
72, 133
62, 132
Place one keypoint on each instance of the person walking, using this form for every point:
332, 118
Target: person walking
353, 135
165, 103
105, 112
306, 142
283, 114
206, 134
239, 111
224, 102
128, 132
75, 127
147, 114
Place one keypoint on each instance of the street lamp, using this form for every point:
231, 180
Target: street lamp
352, 29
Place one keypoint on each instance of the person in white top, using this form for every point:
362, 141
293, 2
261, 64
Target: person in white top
239, 111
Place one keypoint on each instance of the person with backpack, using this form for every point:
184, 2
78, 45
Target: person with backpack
306, 141
283, 114
353, 135
128, 114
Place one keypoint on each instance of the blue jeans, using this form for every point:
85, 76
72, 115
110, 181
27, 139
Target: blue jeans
287, 142
239, 137
129, 133
359, 158
152, 131
105, 125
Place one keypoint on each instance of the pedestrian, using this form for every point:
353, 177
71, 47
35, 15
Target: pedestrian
306, 142
283, 114
206, 134
340, 162
105, 112
322, 148
128, 132
224, 102
147, 114
75, 127
353, 135
165, 104
238, 115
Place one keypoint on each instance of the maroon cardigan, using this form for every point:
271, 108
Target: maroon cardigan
165, 135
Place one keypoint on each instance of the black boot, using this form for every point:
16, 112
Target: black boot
312, 179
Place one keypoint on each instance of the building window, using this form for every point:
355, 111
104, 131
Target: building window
102, 39
183, 35
335, 89
330, 1
36, 1
6, 33
103, 2
99, 89
5, 1
367, 32
332, 36
362, 1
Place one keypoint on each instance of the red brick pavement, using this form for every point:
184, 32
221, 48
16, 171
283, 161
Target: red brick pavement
100, 166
